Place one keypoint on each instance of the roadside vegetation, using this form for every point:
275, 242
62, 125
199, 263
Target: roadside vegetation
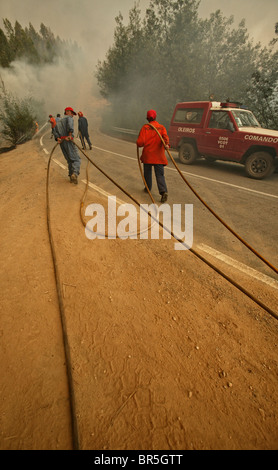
172, 55
18, 116
167, 55
37, 48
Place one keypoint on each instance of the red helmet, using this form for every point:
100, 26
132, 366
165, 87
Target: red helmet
70, 109
80, 113
151, 114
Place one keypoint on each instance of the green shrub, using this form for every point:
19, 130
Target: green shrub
17, 118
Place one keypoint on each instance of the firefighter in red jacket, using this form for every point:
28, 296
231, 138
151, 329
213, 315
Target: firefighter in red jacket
52, 121
153, 154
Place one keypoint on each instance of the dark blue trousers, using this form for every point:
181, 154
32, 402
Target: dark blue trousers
159, 174
83, 136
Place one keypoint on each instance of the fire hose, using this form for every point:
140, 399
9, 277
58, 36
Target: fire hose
198, 255
214, 213
75, 433
72, 400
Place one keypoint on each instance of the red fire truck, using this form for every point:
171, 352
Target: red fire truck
223, 131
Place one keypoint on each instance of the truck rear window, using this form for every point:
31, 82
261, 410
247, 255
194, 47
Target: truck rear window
189, 115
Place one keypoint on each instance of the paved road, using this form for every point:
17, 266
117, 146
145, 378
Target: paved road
248, 206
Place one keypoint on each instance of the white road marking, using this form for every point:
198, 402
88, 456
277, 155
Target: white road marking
118, 201
114, 153
211, 251
197, 176
60, 164
240, 266
41, 139
101, 191
191, 174
227, 184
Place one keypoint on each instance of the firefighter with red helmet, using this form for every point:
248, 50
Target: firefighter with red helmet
153, 154
64, 133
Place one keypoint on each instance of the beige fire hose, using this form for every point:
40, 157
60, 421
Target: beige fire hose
212, 211
198, 255
75, 432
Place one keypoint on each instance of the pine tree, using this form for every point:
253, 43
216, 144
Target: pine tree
29, 45
5, 54
173, 55
17, 117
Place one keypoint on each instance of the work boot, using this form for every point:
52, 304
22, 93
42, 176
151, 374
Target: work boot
164, 197
74, 178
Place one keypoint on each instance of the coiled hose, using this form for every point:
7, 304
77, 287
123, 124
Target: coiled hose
214, 213
198, 255
75, 433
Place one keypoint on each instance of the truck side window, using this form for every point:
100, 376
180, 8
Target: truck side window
213, 122
219, 120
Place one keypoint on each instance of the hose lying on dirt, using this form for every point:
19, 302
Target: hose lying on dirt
75, 433
214, 213
82, 202
198, 255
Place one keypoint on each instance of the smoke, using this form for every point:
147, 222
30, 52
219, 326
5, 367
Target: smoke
91, 24
56, 85
64, 83
260, 16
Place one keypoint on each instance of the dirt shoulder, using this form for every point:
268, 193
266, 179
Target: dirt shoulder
165, 353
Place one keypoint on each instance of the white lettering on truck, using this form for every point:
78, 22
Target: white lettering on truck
186, 129
222, 141
260, 138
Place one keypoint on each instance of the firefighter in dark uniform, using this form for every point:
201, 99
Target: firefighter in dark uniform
83, 130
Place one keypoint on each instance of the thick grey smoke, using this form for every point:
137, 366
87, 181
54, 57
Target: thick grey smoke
54, 84
91, 24
88, 23
260, 16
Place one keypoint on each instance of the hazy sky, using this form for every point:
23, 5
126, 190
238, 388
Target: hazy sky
91, 24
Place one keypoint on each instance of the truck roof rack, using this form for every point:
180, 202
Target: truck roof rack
227, 104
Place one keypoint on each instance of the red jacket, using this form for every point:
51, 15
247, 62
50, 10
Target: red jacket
153, 151
52, 122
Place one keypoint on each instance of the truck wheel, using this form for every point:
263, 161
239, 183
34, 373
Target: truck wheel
187, 154
259, 165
